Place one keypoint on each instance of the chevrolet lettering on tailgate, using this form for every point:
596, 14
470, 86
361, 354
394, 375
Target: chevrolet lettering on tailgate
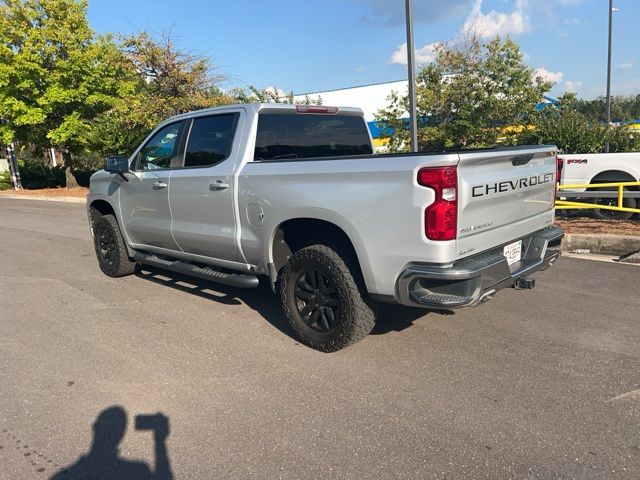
509, 185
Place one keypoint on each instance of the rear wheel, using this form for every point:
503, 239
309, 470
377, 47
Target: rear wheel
613, 214
324, 300
110, 248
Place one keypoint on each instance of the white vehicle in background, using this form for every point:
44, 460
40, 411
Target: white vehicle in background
591, 168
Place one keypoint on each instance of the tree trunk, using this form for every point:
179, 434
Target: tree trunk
70, 179
13, 168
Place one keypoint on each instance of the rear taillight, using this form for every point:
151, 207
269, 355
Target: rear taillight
559, 165
441, 217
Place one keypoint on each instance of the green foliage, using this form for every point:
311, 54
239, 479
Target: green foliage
621, 139
55, 75
63, 86
38, 175
5, 181
253, 94
165, 81
466, 96
576, 132
623, 108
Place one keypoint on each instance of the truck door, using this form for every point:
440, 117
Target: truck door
144, 198
202, 192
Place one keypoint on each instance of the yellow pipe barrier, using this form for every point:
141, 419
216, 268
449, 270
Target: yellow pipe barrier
567, 204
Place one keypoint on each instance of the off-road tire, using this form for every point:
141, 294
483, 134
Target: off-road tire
356, 313
110, 248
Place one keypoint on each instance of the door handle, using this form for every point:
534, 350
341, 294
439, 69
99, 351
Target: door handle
159, 185
219, 185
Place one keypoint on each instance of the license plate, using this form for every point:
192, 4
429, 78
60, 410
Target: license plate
513, 252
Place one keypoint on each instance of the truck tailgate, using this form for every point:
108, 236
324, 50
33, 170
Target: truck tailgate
504, 195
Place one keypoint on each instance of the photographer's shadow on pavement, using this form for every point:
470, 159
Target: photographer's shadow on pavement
103, 461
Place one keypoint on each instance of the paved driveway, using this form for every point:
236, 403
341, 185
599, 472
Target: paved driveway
534, 384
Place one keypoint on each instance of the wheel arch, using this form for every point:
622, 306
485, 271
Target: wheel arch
102, 207
611, 176
99, 206
615, 176
296, 233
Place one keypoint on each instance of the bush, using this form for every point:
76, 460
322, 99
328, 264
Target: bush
576, 132
571, 131
5, 181
82, 176
38, 175
621, 139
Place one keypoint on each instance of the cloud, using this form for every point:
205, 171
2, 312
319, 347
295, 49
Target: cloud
392, 13
360, 69
626, 66
546, 76
571, 86
426, 54
488, 25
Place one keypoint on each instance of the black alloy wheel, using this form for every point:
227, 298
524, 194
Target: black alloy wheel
324, 299
108, 247
317, 300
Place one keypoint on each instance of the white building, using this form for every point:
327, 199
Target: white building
370, 98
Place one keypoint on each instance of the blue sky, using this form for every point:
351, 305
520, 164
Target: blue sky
314, 45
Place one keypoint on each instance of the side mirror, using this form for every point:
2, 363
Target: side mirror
118, 165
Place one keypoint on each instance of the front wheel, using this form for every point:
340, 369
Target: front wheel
110, 247
324, 300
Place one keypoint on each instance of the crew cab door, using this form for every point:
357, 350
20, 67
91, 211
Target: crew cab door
202, 192
144, 198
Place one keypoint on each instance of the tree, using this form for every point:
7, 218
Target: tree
623, 108
55, 75
253, 94
574, 131
467, 97
167, 81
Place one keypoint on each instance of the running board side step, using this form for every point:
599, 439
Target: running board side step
240, 280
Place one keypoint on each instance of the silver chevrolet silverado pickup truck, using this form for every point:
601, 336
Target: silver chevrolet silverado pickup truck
295, 194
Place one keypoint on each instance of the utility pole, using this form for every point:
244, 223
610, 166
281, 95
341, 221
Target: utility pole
13, 168
411, 54
611, 10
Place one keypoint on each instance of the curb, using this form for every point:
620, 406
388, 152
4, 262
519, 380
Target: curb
601, 244
46, 199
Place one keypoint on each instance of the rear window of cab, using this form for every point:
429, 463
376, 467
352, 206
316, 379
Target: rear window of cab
289, 136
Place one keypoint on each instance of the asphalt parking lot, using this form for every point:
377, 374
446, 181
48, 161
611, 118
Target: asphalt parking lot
534, 384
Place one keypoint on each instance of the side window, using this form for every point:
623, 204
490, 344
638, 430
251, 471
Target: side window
161, 149
210, 140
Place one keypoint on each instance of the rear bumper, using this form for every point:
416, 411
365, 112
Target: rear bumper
473, 280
